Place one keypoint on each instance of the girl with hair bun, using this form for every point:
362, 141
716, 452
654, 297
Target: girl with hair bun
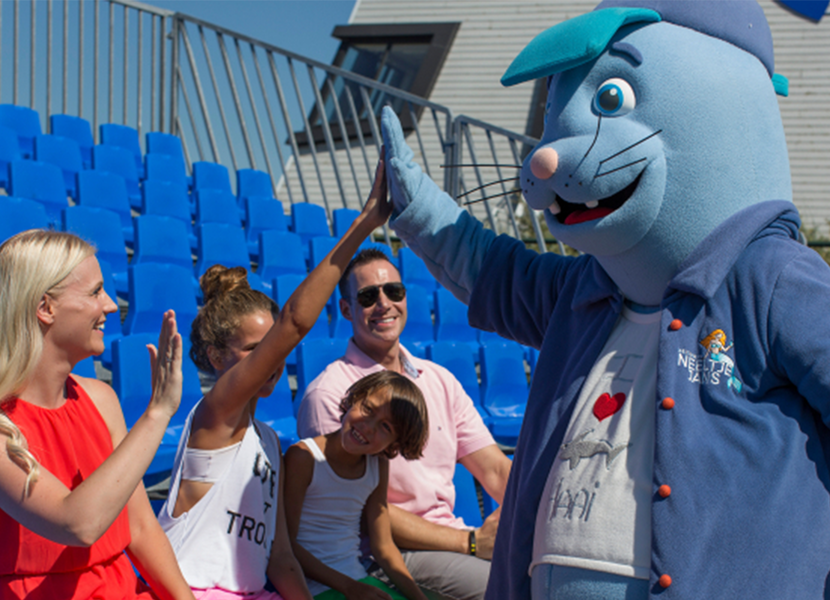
71, 497
224, 515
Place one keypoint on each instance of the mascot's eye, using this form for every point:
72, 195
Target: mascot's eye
614, 98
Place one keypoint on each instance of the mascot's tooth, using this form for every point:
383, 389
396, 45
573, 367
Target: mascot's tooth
554, 208
592, 204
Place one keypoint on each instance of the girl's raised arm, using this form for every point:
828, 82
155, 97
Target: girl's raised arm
304, 306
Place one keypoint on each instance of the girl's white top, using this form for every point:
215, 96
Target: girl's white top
225, 539
330, 521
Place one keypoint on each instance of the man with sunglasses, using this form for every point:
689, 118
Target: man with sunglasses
442, 553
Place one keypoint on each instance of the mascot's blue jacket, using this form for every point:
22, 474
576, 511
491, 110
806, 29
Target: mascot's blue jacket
749, 509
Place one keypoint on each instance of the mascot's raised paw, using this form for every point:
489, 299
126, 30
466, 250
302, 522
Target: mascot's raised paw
407, 183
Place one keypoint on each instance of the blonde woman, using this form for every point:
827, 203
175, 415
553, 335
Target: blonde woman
71, 498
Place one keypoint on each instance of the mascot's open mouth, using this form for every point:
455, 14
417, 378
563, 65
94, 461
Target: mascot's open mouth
572, 214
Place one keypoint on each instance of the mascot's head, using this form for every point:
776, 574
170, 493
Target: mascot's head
661, 122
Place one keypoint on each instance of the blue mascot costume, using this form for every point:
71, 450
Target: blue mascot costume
676, 441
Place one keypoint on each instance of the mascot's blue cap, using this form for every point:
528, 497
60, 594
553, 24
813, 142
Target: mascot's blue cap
582, 39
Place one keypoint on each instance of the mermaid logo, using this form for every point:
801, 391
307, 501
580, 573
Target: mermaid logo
716, 362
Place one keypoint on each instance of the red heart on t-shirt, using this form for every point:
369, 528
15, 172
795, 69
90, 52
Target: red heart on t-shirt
606, 405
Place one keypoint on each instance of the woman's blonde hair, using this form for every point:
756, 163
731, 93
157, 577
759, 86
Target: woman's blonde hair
32, 263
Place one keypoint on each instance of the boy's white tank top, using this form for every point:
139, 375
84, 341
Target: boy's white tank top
225, 540
330, 521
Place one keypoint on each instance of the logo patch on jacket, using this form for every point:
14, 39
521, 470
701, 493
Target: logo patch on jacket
713, 367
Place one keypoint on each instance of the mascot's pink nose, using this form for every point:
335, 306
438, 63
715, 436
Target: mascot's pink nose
544, 163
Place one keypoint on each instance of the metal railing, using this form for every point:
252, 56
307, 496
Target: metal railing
111, 58
244, 103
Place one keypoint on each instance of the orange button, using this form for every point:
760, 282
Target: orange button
668, 403
664, 581
664, 491
675, 324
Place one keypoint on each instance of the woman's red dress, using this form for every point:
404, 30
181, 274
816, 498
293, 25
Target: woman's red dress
70, 442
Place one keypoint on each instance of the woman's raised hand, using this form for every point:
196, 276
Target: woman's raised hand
378, 207
166, 365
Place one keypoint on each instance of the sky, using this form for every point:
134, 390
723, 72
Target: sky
301, 26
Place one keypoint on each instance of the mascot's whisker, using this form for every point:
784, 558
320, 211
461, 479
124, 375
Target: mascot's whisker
481, 187
635, 144
468, 202
481, 165
619, 168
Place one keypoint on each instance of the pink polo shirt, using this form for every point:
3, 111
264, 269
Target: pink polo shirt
423, 487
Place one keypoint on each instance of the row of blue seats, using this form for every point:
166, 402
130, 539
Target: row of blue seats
70, 148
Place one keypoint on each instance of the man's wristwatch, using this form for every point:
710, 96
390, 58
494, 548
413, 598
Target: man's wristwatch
472, 542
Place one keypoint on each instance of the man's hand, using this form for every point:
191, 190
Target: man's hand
486, 535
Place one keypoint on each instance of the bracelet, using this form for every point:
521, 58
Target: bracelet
472, 542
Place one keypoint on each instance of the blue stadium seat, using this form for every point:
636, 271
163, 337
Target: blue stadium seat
85, 368
117, 160
20, 214
9, 151
457, 360
419, 332
125, 137
112, 328
308, 221
504, 389
466, 497
339, 326
216, 206
250, 182
39, 181
318, 248
131, 382
102, 189
211, 175
102, 228
163, 167
162, 240
77, 129
283, 287
155, 288
262, 213
64, 153
221, 244
280, 253
413, 270
25, 122
313, 356
171, 145
451, 321
277, 412
167, 199
342, 219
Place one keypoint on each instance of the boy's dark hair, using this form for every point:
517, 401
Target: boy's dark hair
365, 256
409, 411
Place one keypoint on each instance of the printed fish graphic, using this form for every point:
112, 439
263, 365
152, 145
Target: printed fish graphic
580, 448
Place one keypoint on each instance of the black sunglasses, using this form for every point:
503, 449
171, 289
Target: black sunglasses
369, 295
